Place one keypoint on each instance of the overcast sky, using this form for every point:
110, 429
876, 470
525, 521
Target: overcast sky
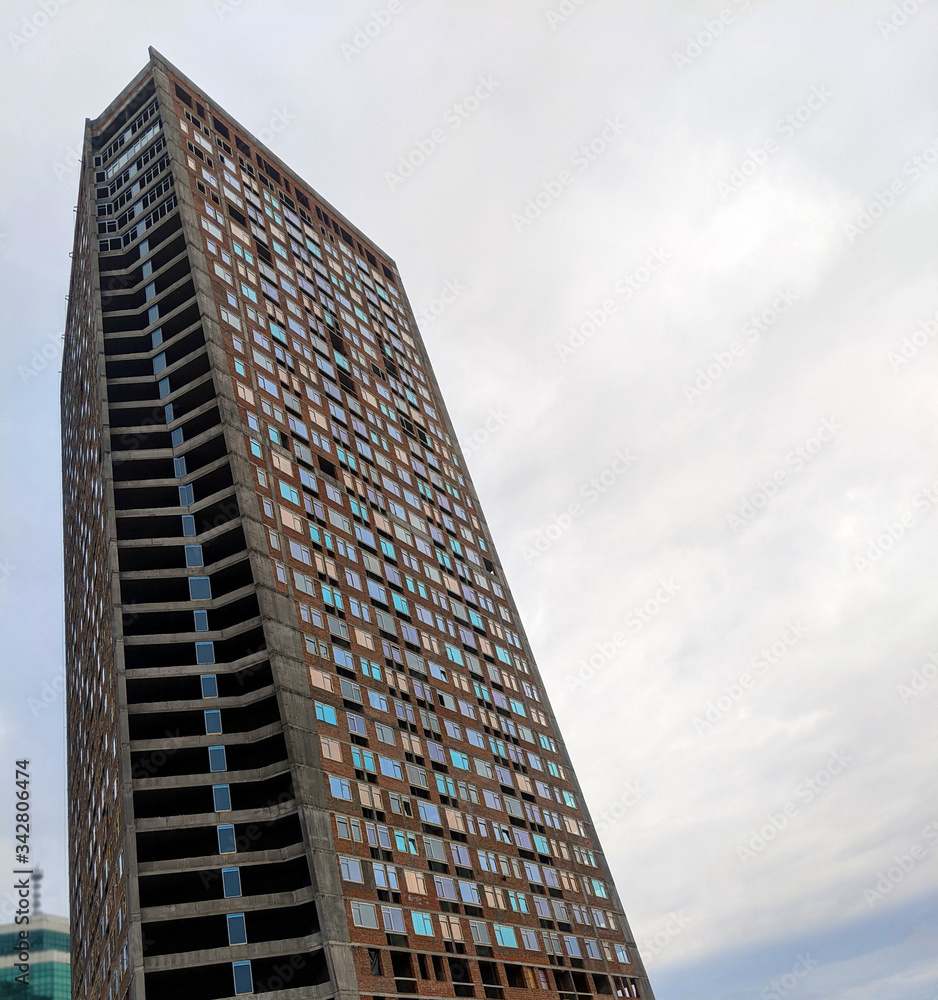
675, 266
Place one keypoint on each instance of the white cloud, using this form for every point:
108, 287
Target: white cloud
494, 348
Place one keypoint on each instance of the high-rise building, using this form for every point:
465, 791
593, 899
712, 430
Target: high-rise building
47, 957
310, 753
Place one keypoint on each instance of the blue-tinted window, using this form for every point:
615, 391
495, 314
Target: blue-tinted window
205, 652
237, 932
188, 524
227, 844
243, 980
177, 437
209, 686
231, 882
179, 466
194, 555
213, 722
200, 588
217, 760
201, 620
221, 795
186, 495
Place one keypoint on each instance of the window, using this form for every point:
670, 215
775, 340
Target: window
194, 555
429, 812
393, 918
331, 749
216, 759
288, 492
572, 945
326, 713
461, 855
231, 882
416, 882
321, 679
480, 933
445, 887
385, 876
205, 652
243, 980
341, 789
212, 722
592, 948
621, 954
469, 893
378, 701
349, 829
517, 901
221, 795
356, 724
400, 804
505, 936
434, 849
237, 932
351, 870
227, 843
209, 686
384, 733
529, 939
423, 924
391, 768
